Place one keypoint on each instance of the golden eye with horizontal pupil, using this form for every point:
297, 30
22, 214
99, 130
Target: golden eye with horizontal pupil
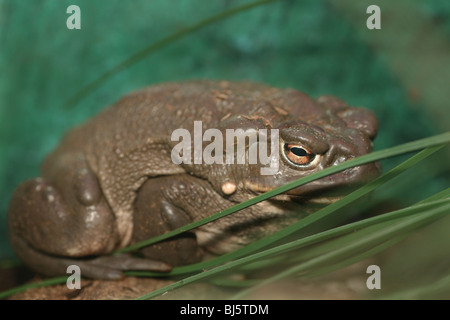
298, 154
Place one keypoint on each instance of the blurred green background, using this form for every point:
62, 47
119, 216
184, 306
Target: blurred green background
402, 71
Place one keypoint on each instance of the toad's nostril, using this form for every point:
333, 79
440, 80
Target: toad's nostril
339, 152
343, 150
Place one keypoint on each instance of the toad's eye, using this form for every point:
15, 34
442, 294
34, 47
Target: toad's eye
298, 154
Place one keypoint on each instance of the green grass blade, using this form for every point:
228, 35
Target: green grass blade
39, 284
375, 156
357, 244
442, 205
334, 239
152, 48
387, 232
444, 194
433, 141
314, 218
357, 257
325, 211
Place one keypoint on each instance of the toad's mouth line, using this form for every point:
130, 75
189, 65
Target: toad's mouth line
327, 189
337, 181
324, 200
323, 191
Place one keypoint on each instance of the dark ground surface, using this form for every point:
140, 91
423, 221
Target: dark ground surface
347, 284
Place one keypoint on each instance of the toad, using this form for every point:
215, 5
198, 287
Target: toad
112, 181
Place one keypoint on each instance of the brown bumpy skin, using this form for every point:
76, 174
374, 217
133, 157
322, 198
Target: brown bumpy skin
112, 181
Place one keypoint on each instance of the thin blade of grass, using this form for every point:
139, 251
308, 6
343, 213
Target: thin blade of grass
314, 218
438, 141
152, 48
335, 236
323, 213
441, 200
260, 244
436, 212
358, 257
304, 242
368, 241
39, 284
438, 199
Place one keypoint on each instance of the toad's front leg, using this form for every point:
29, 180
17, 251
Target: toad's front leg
159, 209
